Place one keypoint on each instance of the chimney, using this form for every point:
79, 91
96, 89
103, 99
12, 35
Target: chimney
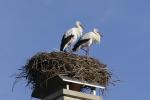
63, 88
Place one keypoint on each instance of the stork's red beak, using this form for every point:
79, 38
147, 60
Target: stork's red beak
82, 26
101, 35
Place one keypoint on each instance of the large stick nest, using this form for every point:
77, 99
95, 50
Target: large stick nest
44, 66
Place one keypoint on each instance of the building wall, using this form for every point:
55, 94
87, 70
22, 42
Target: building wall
65, 94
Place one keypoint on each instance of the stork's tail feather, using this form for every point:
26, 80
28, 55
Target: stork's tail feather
78, 44
65, 41
61, 48
62, 43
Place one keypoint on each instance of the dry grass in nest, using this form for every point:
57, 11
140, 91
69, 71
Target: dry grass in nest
45, 65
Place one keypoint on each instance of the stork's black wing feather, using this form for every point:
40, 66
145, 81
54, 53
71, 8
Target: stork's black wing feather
80, 42
64, 41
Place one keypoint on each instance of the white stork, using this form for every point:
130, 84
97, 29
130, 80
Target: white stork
87, 40
71, 36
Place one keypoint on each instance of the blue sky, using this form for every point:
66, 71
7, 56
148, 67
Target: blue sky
31, 26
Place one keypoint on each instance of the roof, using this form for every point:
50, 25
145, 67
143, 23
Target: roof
95, 85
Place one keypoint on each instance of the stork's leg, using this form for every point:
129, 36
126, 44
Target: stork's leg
88, 50
70, 50
84, 51
65, 51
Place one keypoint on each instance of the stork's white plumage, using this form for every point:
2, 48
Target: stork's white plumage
87, 40
71, 36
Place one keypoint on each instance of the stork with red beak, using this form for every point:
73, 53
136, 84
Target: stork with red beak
71, 36
87, 40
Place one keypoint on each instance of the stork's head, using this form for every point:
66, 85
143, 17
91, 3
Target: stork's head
78, 23
95, 30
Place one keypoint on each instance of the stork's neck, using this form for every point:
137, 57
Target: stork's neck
97, 37
80, 28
